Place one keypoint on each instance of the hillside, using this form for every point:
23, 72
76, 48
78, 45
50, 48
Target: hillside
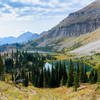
81, 22
8, 91
89, 48
90, 42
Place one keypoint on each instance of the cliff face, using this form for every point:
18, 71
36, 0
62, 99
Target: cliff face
77, 23
79, 28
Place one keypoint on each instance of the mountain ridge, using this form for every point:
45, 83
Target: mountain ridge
83, 21
25, 37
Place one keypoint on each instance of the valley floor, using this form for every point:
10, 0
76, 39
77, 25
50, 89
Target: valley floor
9, 91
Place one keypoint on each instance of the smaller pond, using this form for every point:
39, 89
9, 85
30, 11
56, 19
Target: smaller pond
49, 65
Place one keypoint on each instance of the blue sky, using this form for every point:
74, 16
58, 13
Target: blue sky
18, 16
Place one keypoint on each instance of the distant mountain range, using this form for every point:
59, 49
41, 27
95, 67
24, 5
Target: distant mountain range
25, 37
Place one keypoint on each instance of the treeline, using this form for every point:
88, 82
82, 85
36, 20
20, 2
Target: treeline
28, 68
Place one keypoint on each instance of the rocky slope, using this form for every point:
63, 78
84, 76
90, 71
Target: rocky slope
89, 48
77, 23
90, 43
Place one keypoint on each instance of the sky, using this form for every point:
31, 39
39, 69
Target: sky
36, 16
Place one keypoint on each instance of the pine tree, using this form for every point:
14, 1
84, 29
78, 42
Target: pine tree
40, 79
64, 74
91, 77
76, 81
45, 78
57, 75
78, 69
12, 77
83, 75
1, 66
52, 81
98, 79
26, 81
70, 74
95, 76
60, 70
33, 79
12, 54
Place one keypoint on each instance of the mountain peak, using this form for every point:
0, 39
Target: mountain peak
27, 33
93, 6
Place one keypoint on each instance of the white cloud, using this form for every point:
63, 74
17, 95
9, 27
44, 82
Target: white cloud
43, 8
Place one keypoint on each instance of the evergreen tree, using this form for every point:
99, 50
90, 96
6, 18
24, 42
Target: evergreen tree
1, 66
48, 77
57, 74
64, 74
52, 81
45, 78
40, 79
78, 69
70, 74
9, 65
76, 81
95, 76
30, 76
26, 81
12, 54
91, 77
98, 72
12, 77
83, 75
33, 77
60, 72
22, 74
